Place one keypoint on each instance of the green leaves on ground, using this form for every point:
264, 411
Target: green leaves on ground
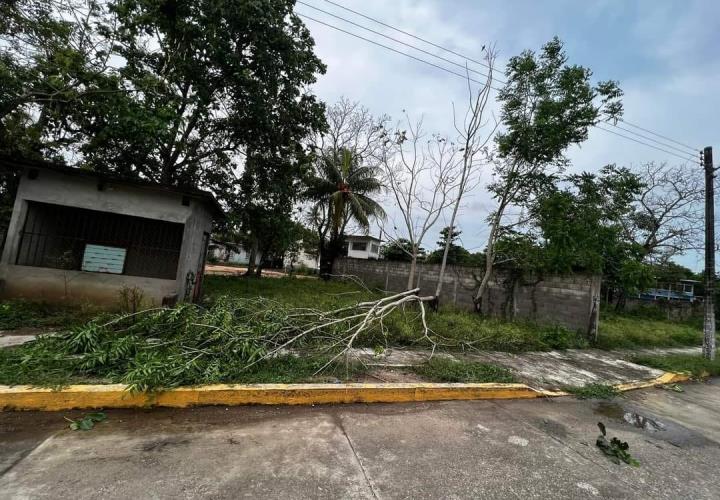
615, 449
87, 422
442, 369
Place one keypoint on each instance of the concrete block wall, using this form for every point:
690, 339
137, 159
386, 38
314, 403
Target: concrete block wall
569, 301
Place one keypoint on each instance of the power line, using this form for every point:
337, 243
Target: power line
465, 77
409, 34
675, 148
378, 21
646, 144
661, 136
400, 41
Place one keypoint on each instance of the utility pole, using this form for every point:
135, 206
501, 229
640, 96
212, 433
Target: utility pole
709, 328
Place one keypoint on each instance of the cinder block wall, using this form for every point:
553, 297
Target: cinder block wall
570, 301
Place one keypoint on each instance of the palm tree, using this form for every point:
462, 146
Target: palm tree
341, 190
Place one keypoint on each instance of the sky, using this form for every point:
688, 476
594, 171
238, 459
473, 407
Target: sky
663, 53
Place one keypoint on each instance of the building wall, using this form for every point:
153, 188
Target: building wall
82, 192
53, 285
569, 301
363, 254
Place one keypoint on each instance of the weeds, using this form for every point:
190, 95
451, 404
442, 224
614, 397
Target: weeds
26, 314
593, 391
615, 449
697, 366
87, 422
442, 369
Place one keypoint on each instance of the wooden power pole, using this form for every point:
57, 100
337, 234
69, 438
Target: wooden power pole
709, 328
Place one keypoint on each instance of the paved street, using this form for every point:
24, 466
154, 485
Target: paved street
479, 449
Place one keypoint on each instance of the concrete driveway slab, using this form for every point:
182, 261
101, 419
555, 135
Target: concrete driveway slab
457, 449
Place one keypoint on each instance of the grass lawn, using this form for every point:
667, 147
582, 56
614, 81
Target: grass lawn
244, 319
25, 314
697, 366
628, 331
403, 327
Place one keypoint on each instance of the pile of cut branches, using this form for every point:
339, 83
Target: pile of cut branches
190, 344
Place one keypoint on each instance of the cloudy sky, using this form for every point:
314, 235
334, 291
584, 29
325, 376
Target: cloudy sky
663, 52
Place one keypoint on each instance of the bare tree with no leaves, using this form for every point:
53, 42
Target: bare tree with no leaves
668, 215
420, 175
475, 133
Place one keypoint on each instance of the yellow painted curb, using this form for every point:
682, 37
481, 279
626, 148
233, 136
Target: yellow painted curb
26, 397
117, 396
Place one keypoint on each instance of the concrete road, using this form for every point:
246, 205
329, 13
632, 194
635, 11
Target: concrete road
481, 449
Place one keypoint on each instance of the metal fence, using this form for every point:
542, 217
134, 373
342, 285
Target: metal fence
56, 236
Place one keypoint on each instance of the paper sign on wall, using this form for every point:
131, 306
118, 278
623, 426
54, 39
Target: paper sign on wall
102, 259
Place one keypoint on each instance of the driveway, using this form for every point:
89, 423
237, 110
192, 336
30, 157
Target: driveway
476, 449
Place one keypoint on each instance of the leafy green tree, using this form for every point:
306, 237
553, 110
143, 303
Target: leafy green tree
341, 191
581, 225
547, 106
173, 91
400, 250
457, 255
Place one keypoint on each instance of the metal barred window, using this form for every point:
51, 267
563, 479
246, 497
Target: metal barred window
63, 237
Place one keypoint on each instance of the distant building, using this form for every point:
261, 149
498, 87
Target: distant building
80, 235
229, 253
683, 290
362, 247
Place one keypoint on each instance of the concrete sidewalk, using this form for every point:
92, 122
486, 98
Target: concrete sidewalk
549, 370
478, 449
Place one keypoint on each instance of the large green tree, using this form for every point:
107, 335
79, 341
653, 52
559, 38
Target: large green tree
547, 105
175, 91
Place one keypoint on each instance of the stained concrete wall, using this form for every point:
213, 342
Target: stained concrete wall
569, 301
82, 192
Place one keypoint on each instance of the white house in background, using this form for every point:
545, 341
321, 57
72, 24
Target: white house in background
232, 254
301, 260
362, 247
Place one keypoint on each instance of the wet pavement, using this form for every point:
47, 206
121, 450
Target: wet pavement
473, 449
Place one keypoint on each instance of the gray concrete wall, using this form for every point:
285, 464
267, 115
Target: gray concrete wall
82, 192
569, 301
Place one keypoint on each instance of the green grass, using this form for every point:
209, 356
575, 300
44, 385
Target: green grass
630, 331
404, 327
593, 391
440, 369
281, 370
27, 314
697, 366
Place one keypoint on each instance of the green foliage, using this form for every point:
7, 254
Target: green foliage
697, 366
628, 331
441, 369
581, 224
457, 255
87, 422
400, 250
19, 313
615, 449
548, 105
593, 391
168, 91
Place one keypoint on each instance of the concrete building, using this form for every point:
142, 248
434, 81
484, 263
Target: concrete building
80, 235
362, 247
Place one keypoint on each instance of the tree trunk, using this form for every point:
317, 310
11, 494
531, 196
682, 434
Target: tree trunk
251, 258
489, 262
413, 265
